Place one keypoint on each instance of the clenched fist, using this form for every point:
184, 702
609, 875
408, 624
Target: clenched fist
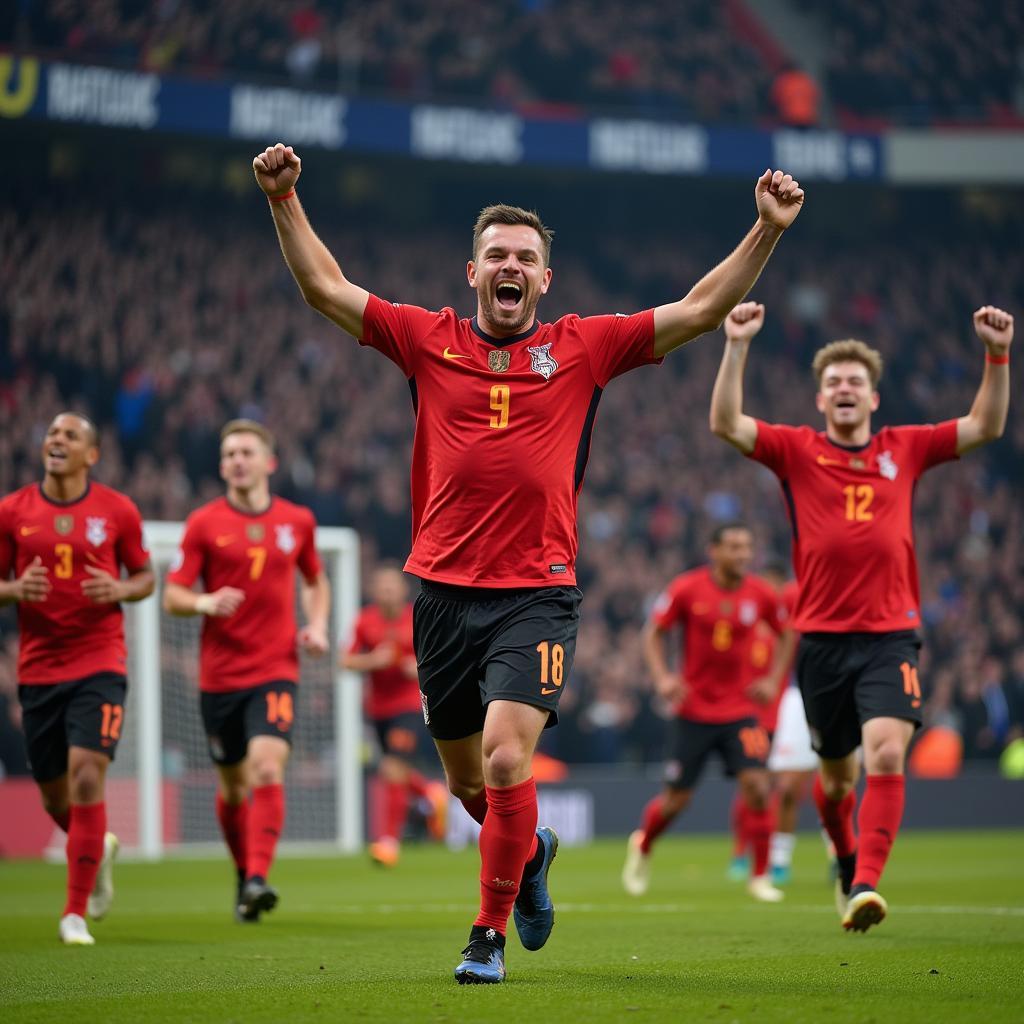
779, 198
744, 321
995, 328
277, 169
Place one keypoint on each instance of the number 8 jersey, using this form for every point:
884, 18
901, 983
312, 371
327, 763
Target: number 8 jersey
503, 428
851, 512
257, 553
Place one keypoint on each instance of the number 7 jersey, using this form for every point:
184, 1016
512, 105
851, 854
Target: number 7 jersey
851, 512
256, 553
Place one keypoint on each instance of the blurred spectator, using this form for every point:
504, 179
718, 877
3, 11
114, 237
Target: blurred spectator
796, 96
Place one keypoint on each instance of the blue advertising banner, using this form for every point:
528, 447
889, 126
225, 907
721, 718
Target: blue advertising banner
77, 94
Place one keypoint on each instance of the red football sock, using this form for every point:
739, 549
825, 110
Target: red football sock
88, 825
476, 806
653, 822
737, 819
417, 785
62, 819
758, 827
837, 818
233, 818
265, 824
396, 807
507, 836
878, 822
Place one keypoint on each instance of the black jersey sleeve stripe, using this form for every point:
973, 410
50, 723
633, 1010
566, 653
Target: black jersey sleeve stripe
583, 449
415, 396
787, 493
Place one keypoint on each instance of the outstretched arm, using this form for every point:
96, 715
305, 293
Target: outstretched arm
315, 270
987, 418
779, 199
728, 421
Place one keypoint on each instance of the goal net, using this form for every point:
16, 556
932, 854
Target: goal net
163, 783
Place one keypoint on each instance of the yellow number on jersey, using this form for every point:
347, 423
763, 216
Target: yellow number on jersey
858, 501
259, 560
721, 636
65, 567
499, 406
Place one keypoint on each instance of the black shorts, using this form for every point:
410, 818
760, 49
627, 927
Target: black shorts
400, 735
476, 645
848, 678
85, 713
742, 745
233, 718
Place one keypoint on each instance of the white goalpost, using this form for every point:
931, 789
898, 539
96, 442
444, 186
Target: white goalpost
163, 783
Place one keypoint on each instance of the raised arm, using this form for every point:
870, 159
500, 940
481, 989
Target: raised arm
779, 199
987, 418
315, 270
728, 420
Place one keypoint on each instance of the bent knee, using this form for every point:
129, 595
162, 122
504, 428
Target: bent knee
465, 789
506, 764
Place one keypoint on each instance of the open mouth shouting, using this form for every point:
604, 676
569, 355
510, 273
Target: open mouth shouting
508, 295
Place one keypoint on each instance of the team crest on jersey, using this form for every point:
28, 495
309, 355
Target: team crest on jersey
499, 360
285, 537
725, 607
95, 530
748, 612
856, 463
64, 524
541, 360
255, 532
886, 466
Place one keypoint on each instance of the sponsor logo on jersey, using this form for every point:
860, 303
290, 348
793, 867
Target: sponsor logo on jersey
748, 612
449, 354
284, 535
95, 530
255, 532
27, 531
499, 360
541, 360
64, 524
556, 569
886, 466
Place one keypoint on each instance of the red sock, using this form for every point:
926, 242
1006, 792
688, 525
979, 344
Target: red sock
737, 819
417, 785
476, 806
878, 822
653, 822
758, 827
62, 819
396, 807
508, 834
232, 818
265, 824
837, 818
87, 826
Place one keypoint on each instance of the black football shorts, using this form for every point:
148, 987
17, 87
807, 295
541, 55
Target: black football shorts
85, 713
475, 645
742, 745
234, 717
848, 678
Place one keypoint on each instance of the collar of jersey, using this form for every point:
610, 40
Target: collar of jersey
66, 504
248, 512
849, 447
502, 342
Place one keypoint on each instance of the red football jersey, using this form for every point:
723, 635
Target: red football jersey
718, 627
852, 518
391, 692
762, 653
68, 636
503, 433
258, 554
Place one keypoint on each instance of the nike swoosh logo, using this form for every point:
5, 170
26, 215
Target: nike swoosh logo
27, 531
448, 354
224, 541
547, 691
823, 461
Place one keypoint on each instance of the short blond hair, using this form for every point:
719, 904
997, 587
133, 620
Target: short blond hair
502, 213
248, 427
849, 350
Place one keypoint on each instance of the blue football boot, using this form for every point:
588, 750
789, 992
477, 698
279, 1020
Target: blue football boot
483, 961
534, 913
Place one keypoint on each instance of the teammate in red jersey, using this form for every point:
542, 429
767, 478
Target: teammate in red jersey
849, 494
382, 648
245, 548
717, 695
505, 407
66, 541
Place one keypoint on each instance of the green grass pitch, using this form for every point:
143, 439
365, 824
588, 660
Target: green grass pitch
350, 942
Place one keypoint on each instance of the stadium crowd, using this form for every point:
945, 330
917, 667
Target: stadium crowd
164, 326
929, 59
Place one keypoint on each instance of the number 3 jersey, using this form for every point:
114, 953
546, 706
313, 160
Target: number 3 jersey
68, 636
503, 431
851, 511
256, 553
